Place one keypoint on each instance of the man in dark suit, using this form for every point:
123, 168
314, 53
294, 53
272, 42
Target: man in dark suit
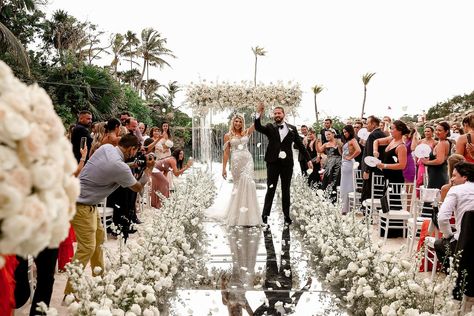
279, 158
81, 130
303, 162
375, 133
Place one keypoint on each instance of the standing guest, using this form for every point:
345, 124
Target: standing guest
81, 130
103, 173
452, 161
123, 117
385, 125
93, 129
132, 126
155, 136
357, 127
301, 159
460, 199
350, 150
411, 141
332, 167
437, 162
327, 125
375, 133
314, 177
162, 150
143, 129
112, 132
98, 137
465, 143
428, 139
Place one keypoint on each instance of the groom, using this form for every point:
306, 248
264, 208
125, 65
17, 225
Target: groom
279, 158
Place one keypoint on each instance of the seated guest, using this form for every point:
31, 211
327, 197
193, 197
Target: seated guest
459, 200
105, 171
452, 161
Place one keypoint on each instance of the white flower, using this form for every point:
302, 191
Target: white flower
103, 312
282, 155
243, 209
14, 127
135, 308
369, 311
352, 267
309, 171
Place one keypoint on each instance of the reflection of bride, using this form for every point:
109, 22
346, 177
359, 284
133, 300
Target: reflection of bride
243, 246
243, 208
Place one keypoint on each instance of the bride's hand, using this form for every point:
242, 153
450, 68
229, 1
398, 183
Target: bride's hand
224, 174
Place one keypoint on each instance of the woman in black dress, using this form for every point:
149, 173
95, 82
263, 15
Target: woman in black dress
332, 168
437, 162
314, 177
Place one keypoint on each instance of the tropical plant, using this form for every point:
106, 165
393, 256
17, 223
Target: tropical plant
150, 87
457, 104
118, 47
151, 50
257, 51
365, 80
131, 42
316, 90
88, 47
132, 77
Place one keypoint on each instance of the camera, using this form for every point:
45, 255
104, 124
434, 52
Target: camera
141, 161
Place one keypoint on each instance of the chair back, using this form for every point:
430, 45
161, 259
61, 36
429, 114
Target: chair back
428, 199
377, 186
398, 196
357, 179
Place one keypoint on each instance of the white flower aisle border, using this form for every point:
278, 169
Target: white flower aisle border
366, 279
202, 97
141, 275
37, 188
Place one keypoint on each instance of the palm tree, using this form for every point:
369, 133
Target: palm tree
131, 42
152, 49
172, 89
365, 80
132, 77
9, 42
150, 87
118, 48
257, 51
316, 90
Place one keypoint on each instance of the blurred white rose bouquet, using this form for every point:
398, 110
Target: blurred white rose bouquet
37, 188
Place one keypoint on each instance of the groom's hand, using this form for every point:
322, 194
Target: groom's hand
260, 107
310, 165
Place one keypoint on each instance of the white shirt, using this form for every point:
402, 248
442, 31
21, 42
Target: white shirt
460, 199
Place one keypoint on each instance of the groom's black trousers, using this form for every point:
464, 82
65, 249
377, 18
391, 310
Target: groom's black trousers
277, 170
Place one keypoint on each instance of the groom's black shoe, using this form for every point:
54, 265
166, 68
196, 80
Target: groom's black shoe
264, 219
288, 221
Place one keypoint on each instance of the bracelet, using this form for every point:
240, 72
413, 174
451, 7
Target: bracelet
82, 159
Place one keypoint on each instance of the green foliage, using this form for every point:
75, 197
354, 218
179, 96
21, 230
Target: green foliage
336, 124
457, 104
136, 105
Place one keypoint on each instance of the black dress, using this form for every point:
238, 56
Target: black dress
332, 171
438, 174
314, 177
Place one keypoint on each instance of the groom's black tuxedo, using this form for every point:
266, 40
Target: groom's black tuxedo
279, 167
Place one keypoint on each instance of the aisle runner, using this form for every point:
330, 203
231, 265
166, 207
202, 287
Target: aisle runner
239, 257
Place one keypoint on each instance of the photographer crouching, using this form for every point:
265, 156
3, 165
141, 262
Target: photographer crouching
105, 171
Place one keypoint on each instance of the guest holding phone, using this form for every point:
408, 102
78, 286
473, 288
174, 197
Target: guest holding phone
82, 129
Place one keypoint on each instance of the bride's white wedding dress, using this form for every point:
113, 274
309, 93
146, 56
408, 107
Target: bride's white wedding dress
243, 208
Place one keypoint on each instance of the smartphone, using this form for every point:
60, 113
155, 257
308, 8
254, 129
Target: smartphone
83, 142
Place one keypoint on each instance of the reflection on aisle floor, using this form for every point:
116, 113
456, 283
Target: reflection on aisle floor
258, 271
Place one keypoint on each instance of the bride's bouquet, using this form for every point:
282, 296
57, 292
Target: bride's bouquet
37, 188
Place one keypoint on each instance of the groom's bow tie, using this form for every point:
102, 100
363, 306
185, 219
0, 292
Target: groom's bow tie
281, 126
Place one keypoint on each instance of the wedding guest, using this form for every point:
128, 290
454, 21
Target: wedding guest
332, 168
421, 169
178, 154
104, 172
375, 133
411, 141
385, 125
357, 127
350, 150
327, 125
155, 136
143, 129
452, 161
465, 143
124, 116
460, 199
112, 132
81, 130
314, 177
162, 150
437, 162
301, 159
98, 137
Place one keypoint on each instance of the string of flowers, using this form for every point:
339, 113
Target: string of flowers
368, 280
202, 97
140, 277
37, 188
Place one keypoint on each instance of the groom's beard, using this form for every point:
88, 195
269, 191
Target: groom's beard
278, 120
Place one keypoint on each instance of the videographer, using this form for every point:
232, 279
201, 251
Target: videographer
105, 171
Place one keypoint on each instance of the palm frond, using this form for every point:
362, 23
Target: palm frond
317, 89
10, 44
366, 78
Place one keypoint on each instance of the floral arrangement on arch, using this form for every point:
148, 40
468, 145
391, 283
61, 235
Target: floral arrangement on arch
368, 280
202, 97
37, 188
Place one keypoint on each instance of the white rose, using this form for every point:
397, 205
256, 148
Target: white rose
369, 311
45, 175
309, 171
150, 298
8, 158
136, 309
11, 199
14, 126
282, 155
103, 312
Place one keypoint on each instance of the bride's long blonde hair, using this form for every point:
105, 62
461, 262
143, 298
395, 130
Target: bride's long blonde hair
232, 131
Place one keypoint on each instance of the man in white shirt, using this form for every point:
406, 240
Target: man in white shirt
460, 199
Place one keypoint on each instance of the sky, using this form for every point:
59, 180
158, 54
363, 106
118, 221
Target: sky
421, 51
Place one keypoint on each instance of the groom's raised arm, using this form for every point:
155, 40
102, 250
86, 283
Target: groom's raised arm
257, 122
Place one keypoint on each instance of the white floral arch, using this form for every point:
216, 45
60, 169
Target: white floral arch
207, 98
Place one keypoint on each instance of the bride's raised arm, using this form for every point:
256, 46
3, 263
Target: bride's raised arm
250, 130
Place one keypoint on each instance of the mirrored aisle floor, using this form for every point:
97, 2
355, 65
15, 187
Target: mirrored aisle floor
258, 271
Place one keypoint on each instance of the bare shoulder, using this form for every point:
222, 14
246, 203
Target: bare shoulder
226, 136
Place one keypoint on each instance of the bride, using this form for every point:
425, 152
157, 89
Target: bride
243, 208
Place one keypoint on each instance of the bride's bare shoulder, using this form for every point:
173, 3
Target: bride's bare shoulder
227, 137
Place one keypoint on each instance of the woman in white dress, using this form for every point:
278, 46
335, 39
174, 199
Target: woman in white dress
163, 147
243, 208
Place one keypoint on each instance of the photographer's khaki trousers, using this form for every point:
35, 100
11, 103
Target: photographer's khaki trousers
90, 237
